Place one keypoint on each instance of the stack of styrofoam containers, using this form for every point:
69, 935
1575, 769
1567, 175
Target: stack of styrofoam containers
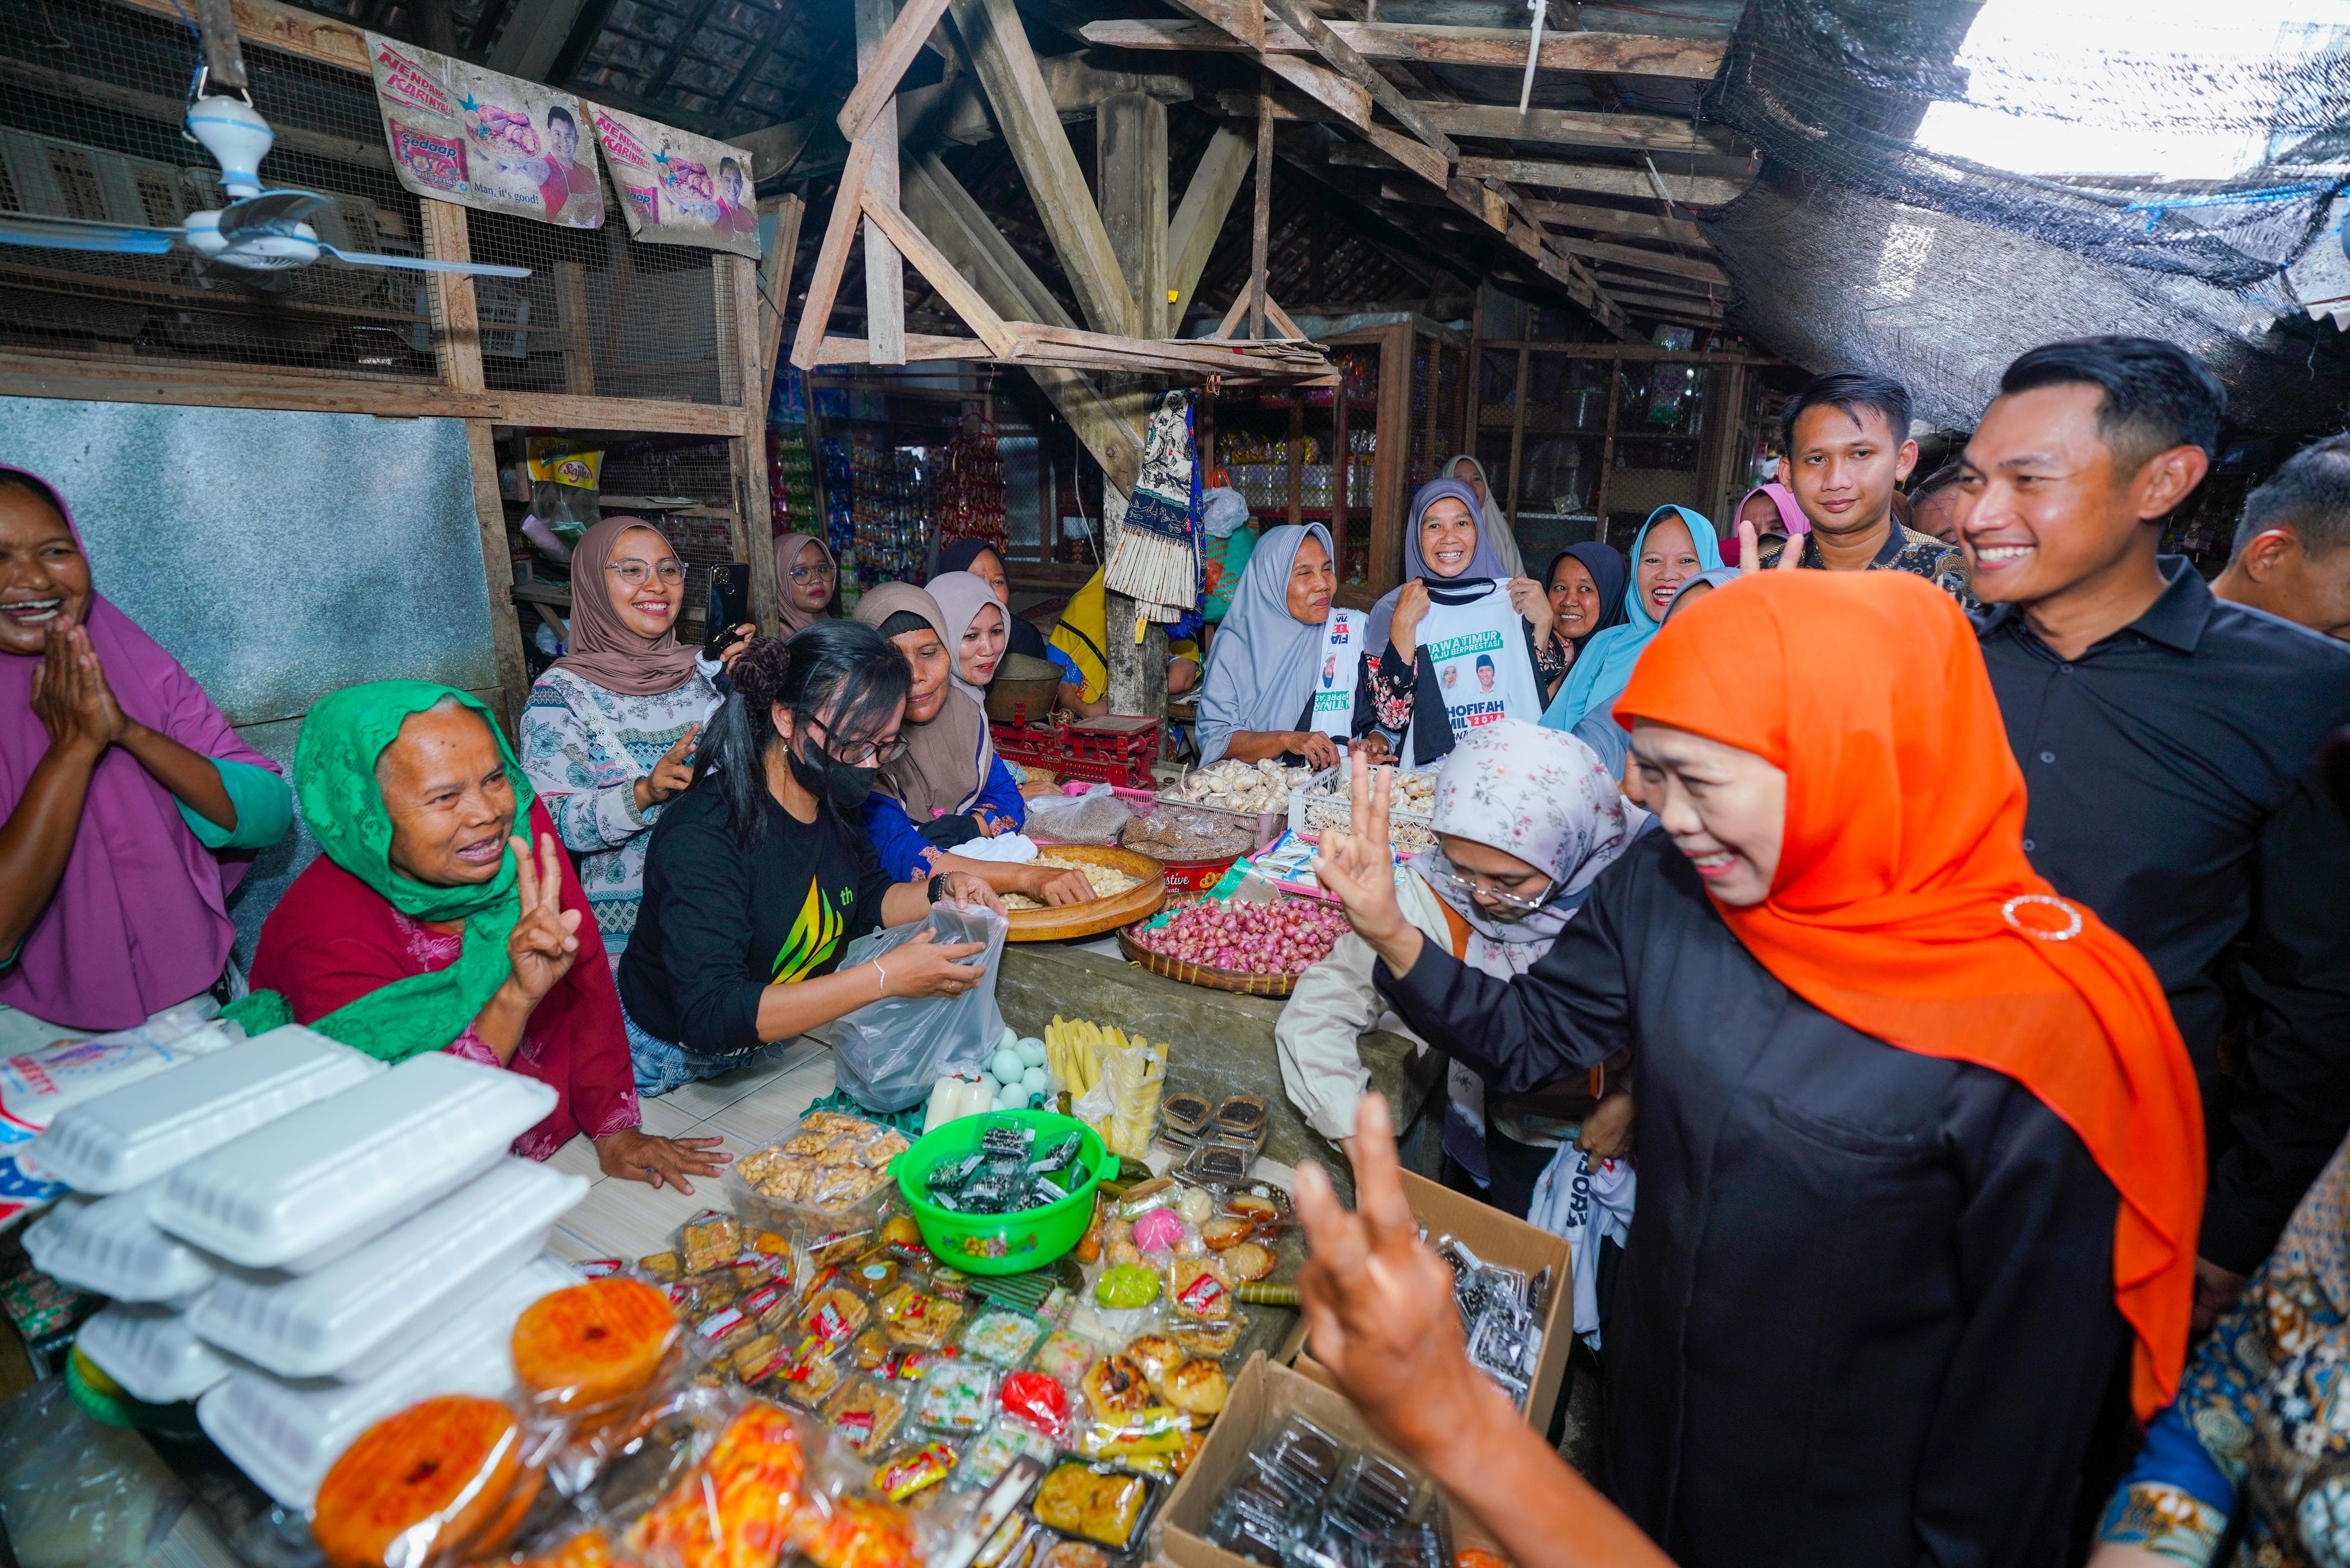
304, 1242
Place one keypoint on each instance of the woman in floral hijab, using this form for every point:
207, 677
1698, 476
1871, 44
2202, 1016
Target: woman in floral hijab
1525, 819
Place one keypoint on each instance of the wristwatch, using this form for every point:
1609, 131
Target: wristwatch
938, 886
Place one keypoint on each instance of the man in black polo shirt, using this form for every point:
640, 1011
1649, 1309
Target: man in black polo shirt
2168, 741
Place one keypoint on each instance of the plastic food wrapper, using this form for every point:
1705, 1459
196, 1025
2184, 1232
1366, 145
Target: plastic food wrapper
957, 1397
987, 1455
910, 1470
448, 1479
833, 1315
1200, 1291
564, 478
736, 1507
887, 1054
1039, 1400
864, 1414
1003, 1335
76, 1494
913, 1316
1096, 816
825, 1185
1099, 1503
806, 1376
1065, 1356
855, 1532
1154, 1434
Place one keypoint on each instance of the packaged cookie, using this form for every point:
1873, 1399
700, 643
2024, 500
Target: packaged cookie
1117, 1385
834, 1316
864, 1414
708, 1239
808, 1377
914, 1317
910, 1470
445, 1477
1200, 1290
1003, 1335
1150, 1440
957, 1397
1096, 1503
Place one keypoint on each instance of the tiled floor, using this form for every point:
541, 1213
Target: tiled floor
622, 1219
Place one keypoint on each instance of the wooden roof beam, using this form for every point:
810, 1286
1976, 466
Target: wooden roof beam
1615, 221
1627, 54
1643, 261
1689, 189
1638, 131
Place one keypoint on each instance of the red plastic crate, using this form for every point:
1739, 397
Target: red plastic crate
1107, 751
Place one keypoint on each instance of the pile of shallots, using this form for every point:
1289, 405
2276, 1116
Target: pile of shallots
1279, 938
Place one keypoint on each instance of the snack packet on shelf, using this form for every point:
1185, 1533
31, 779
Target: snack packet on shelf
825, 1184
446, 1481
865, 1415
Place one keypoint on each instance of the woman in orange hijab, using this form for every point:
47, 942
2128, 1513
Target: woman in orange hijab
1920, 1150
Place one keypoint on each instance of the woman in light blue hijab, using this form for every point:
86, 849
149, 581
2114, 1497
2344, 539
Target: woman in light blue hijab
1673, 545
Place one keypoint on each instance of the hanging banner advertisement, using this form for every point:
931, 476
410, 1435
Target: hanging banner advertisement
459, 133
679, 189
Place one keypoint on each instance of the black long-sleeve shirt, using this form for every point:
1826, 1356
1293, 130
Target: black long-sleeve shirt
718, 925
2170, 775
1866, 1312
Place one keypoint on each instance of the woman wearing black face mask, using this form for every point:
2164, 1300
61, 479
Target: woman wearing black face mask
760, 874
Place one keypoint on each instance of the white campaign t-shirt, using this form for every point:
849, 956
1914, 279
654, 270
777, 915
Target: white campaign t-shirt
1335, 677
1476, 640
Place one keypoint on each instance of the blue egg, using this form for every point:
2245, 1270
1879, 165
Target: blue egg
1006, 1066
1031, 1052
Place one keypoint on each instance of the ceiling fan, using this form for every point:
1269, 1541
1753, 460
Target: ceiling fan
263, 230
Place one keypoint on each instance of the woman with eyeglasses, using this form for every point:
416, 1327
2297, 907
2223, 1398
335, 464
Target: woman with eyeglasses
945, 786
607, 735
807, 582
1525, 819
760, 874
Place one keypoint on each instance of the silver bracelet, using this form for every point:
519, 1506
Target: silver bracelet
881, 979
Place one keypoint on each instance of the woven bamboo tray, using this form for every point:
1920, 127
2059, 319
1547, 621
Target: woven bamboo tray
1203, 975
1091, 920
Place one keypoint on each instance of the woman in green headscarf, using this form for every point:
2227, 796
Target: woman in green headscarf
428, 925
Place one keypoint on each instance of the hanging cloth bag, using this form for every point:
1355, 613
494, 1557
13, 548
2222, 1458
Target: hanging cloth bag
1473, 643
1335, 677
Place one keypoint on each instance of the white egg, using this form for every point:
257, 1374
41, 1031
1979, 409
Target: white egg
1012, 1097
1032, 1051
1010, 1038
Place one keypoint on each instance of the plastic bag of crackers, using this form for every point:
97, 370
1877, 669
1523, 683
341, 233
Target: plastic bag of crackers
825, 1184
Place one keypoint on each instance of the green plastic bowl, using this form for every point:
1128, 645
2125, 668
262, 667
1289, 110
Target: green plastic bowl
1002, 1243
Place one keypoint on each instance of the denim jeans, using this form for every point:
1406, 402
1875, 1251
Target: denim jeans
662, 1065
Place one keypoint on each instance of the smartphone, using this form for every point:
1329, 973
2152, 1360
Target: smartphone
730, 606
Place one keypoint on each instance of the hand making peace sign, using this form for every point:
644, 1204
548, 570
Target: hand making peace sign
546, 938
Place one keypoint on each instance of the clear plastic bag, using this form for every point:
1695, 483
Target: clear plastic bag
887, 1054
1096, 816
76, 1494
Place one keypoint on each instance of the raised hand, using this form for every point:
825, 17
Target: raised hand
70, 696
546, 939
1358, 866
1411, 606
1750, 552
1526, 596
673, 772
924, 966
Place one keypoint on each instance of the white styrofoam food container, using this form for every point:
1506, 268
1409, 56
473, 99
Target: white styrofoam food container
285, 1436
299, 1191
109, 1245
153, 1353
318, 1325
133, 1134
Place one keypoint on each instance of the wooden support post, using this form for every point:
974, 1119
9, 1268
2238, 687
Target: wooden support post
775, 284
885, 275
831, 257
497, 568
456, 320
1391, 479
1518, 438
1130, 165
579, 341
752, 530
1207, 202
1260, 222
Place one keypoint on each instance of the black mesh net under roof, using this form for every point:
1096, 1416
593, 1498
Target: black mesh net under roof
1878, 240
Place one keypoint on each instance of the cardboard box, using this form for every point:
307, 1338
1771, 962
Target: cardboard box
1497, 1237
1263, 1394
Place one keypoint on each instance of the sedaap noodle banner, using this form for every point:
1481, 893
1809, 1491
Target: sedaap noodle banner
679, 189
459, 133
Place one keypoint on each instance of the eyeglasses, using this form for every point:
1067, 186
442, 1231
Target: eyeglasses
872, 755
634, 573
1448, 879
812, 573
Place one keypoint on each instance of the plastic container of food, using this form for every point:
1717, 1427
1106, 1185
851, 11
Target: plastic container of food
153, 1353
300, 1191
109, 1245
285, 1435
1002, 1243
334, 1321
829, 1232
132, 1135
1326, 801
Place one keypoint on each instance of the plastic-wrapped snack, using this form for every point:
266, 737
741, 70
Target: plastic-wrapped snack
590, 1350
757, 1357
913, 1317
957, 1397
1148, 1439
444, 1480
910, 1470
1065, 1356
1145, 1196
864, 1414
1156, 1356
1125, 1286
1095, 1502
1201, 1290
1039, 1400
1116, 1386
1208, 1340
725, 1331
1019, 1542
589, 1548
809, 1376
1073, 1554
1198, 1388
662, 1266
736, 1508
875, 1274
1002, 1334
989, 1453
708, 1239
834, 1316
854, 1532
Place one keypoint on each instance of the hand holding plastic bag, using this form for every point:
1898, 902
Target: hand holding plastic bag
887, 1054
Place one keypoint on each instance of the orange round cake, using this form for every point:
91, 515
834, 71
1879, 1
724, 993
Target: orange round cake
585, 1346
450, 1463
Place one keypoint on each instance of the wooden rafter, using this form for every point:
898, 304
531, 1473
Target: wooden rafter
1207, 202
1689, 189
1626, 54
877, 79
